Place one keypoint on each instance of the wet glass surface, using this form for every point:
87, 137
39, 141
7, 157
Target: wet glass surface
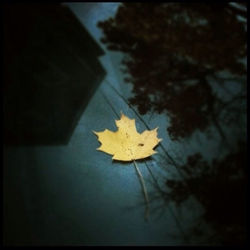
75, 68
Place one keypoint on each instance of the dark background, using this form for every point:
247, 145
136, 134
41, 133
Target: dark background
68, 70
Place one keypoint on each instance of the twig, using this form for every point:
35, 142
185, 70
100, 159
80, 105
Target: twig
144, 190
137, 169
109, 103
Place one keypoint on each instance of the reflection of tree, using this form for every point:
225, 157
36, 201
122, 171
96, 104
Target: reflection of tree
221, 189
171, 49
176, 53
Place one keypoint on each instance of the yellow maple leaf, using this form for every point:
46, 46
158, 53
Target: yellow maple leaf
126, 144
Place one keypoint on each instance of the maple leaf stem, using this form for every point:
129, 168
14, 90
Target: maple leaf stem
144, 190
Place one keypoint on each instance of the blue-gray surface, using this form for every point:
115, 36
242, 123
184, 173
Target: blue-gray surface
81, 196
